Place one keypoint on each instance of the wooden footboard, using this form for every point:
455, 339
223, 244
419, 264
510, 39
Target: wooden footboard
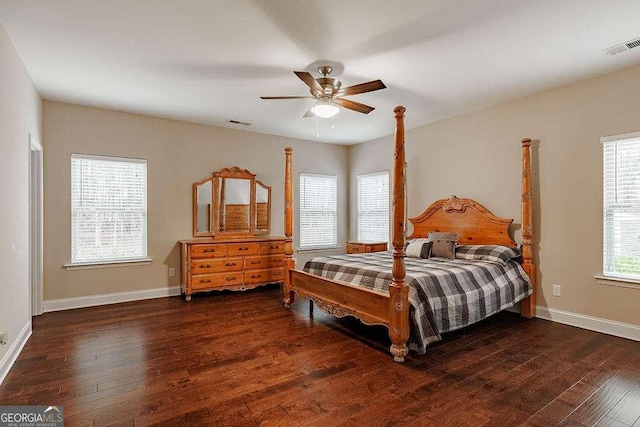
342, 299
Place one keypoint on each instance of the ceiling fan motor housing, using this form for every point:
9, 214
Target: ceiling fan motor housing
330, 86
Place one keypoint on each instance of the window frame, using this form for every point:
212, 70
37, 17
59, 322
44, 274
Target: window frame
358, 225
607, 277
100, 263
331, 245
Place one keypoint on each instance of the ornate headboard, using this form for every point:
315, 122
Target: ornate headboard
473, 223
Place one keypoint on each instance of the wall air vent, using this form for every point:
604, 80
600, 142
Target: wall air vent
237, 122
613, 50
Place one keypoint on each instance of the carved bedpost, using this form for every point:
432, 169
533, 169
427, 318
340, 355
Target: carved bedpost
398, 290
289, 262
528, 305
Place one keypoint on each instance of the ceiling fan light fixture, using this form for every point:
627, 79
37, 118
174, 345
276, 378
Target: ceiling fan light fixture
325, 109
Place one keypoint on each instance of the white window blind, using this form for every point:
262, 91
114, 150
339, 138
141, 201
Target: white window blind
108, 209
622, 207
318, 211
373, 207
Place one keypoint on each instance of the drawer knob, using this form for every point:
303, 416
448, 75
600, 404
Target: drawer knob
205, 266
256, 262
205, 281
228, 279
208, 250
230, 264
256, 276
243, 249
275, 247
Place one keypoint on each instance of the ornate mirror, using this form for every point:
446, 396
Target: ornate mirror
231, 202
203, 207
263, 208
234, 206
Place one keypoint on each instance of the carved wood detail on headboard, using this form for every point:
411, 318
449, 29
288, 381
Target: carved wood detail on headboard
473, 223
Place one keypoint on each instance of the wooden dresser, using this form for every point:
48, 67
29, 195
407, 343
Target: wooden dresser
230, 263
365, 247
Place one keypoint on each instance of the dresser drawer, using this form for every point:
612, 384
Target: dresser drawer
361, 248
356, 248
208, 251
263, 261
241, 249
236, 227
205, 266
261, 209
276, 247
377, 247
207, 281
238, 209
236, 217
264, 276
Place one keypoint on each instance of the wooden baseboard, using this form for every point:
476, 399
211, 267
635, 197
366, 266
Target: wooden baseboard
104, 299
14, 351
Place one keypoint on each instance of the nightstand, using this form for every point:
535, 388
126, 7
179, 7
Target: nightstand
366, 247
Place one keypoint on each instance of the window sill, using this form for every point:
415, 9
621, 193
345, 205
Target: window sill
107, 264
328, 248
622, 282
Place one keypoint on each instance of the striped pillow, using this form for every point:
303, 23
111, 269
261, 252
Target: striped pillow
496, 253
418, 248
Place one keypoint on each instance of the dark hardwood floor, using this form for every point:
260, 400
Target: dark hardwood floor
242, 359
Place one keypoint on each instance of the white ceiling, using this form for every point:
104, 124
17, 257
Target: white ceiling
209, 61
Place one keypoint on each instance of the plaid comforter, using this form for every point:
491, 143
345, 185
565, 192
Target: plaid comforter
444, 294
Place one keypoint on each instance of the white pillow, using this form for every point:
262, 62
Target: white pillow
414, 249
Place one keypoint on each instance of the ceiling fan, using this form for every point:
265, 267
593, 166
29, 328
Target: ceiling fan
328, 93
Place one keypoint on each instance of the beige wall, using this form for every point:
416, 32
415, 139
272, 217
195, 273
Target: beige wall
477, 155
177, 154
20, 115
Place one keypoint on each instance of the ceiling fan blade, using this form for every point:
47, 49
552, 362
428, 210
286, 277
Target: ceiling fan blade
363, 87
308, 79
352, 105
309, 113
286, 97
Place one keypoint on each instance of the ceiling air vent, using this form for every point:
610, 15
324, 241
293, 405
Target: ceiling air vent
622, 47
237, 122
633, 44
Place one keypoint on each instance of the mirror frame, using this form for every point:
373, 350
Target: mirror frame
211, 232
268, 188
234, 173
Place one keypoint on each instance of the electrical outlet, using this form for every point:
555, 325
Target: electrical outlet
4, 337
557, 290
172, 272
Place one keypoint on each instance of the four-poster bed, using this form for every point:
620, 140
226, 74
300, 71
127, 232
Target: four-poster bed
386, 298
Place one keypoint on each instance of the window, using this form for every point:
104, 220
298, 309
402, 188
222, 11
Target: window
621, 156
108, 209
318, 211
373, 207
